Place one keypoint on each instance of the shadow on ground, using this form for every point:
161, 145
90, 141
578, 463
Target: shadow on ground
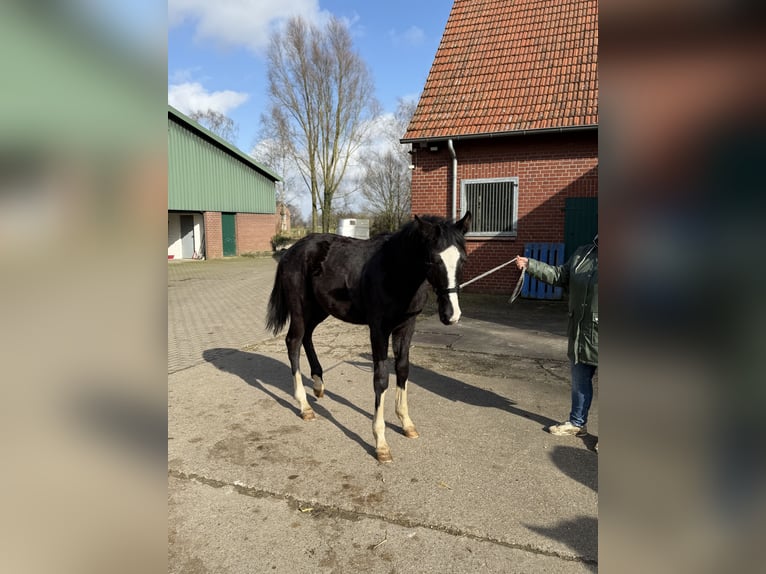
578, 464
270, 375
267, 374
526, 314
458, 391
580, 534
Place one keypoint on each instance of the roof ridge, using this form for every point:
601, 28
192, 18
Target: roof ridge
506, 66
220, 142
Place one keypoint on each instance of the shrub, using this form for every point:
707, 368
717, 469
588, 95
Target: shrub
280, 241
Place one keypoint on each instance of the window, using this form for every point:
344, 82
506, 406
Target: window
493, 204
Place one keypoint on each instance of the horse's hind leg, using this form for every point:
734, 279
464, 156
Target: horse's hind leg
401, 343
293, 341
311, 355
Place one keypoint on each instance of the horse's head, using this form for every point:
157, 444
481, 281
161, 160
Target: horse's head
445, 244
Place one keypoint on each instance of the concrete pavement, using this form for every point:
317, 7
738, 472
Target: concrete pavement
253, 488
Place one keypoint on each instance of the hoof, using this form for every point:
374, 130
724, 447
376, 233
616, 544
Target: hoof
318, 386
383, 455
411, 433
308, 415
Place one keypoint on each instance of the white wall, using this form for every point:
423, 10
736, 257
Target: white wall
174, 233
198, 227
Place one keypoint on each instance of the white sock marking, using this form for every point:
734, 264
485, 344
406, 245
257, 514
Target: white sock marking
402, 409
300, 392
379, 424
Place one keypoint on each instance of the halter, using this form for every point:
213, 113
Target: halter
441, 292
446, 291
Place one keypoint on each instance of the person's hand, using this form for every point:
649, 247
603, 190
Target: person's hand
522, 262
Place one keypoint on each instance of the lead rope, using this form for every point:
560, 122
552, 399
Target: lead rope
487, 272
519, 283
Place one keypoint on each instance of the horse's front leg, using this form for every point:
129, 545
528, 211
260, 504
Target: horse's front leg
380, 384
401, 339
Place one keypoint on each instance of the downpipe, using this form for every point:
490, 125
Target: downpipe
451, 149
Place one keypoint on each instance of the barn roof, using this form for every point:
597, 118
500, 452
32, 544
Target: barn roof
510, 66
219, 142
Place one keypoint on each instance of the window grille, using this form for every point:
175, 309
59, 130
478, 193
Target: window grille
493, 204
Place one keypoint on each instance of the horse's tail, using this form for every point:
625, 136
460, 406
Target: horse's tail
278, 311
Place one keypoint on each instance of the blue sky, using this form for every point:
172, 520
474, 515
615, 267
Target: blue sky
216, 50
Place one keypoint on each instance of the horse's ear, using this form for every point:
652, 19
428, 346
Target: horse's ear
464, 225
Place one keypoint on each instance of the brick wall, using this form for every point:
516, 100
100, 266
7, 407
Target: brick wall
213, 235
550, 169
254, 231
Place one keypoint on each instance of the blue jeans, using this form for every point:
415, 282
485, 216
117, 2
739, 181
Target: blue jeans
582, 393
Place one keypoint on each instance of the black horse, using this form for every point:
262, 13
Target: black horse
381, 282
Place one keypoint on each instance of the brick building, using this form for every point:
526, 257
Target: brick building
220, 201
507, 127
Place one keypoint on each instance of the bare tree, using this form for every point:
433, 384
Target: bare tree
217, 123
387, 180
386, 187
296, 215
321, 96
273, 153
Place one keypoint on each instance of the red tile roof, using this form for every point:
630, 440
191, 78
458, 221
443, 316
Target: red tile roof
511, 65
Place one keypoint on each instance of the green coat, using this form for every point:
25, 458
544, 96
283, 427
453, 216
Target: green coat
579, 276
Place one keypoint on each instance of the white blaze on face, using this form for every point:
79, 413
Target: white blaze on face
451, 257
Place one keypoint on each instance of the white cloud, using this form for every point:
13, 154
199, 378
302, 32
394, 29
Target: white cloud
381, 132
192, 96
245, 23
412, 36
185, 75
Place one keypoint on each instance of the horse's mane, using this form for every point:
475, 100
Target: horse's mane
446, 235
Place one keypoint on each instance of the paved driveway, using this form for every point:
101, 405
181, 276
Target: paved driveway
216, 303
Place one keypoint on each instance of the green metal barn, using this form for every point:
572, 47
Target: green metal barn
220, 201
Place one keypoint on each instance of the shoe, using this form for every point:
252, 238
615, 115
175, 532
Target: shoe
567, 429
